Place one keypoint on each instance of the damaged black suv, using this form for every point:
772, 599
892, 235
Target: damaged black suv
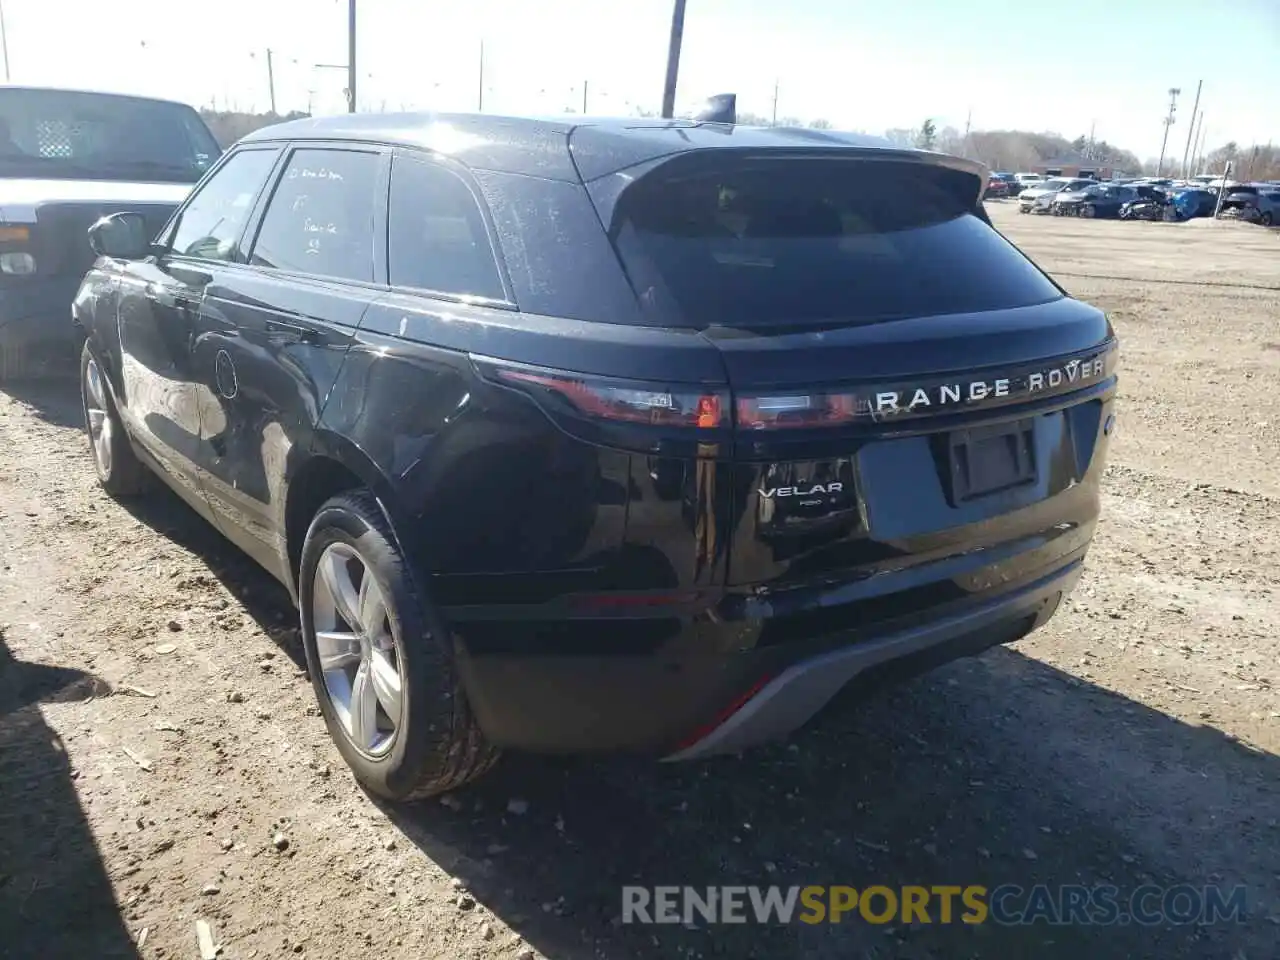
602, 436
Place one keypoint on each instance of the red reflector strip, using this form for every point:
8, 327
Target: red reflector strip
721, 717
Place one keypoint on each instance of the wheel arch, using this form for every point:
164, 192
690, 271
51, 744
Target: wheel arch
334, 465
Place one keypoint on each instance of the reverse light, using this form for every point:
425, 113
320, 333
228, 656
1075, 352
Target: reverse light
17, 264
798, 411
626, 401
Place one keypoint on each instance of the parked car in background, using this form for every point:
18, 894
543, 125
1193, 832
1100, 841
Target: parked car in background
1028, 179
1195, 202
1102, 200
1039, 199
66, 159
1251, 202
1150, 203
1011, 183
996, 188
602, 436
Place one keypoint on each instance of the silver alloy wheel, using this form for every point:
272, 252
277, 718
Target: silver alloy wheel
357, 650
99, 422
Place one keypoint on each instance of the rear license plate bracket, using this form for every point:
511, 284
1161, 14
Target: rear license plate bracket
990, 459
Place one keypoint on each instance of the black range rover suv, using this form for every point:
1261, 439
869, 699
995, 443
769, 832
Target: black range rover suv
602, 436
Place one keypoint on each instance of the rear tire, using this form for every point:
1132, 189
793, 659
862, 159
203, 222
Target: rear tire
1266, 219
119, 470
1088, 211
432, 744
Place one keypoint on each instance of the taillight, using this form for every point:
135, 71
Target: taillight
619, 401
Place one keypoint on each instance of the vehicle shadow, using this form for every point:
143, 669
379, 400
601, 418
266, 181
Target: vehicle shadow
54, 398
55, 897
262, 596
995, 770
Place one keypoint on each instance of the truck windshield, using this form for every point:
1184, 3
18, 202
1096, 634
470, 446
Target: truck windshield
70, 135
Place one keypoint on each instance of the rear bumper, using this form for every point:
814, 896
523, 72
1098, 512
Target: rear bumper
683, 705
791, 699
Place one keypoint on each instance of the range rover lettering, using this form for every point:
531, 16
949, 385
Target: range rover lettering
590, 436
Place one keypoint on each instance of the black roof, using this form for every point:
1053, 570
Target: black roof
566, 148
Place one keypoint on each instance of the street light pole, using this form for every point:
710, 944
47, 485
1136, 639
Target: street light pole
351, 56
1191, 132
271, 80
1168, 122
4, 42
673, 60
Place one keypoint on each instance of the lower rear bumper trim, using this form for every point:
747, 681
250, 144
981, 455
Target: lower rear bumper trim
793, 697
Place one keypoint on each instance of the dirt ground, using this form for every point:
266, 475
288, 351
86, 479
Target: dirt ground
159, 743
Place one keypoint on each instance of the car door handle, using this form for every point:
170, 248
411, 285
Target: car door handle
157, 294
279, 331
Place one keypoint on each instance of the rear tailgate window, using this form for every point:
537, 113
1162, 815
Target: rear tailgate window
765, 243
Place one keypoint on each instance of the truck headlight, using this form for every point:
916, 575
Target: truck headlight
19, 264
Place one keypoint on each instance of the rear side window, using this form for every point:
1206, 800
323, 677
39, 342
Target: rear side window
796, 242
320, 217
436, 238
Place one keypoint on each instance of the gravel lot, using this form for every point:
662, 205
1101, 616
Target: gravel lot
161, 761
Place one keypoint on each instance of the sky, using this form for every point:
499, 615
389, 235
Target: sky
869, 66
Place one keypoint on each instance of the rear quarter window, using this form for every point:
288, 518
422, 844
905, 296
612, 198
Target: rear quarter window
801, 242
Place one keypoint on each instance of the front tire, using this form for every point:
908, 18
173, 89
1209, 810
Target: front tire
119, 470
381, 659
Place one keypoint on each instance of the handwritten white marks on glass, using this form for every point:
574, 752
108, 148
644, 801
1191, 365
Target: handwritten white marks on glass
309, 173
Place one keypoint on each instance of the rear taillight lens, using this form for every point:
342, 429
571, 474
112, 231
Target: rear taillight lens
632, 403
617, 401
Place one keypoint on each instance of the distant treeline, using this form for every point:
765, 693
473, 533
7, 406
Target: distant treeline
228, 126
1012, 150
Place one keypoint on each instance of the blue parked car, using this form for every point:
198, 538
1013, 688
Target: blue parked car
1194, 202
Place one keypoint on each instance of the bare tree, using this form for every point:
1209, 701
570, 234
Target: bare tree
928, 135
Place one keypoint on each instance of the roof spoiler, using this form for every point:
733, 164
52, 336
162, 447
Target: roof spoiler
721, 108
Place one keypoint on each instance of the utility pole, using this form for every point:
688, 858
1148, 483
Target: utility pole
584, 97
351, 56
1194, 163
1194, 107
775, 103
4, 42
673, 60
1222, 191
1168, 122
480, 97
271, 80
968, 122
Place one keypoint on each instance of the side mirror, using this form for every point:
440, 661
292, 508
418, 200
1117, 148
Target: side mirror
120, 235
